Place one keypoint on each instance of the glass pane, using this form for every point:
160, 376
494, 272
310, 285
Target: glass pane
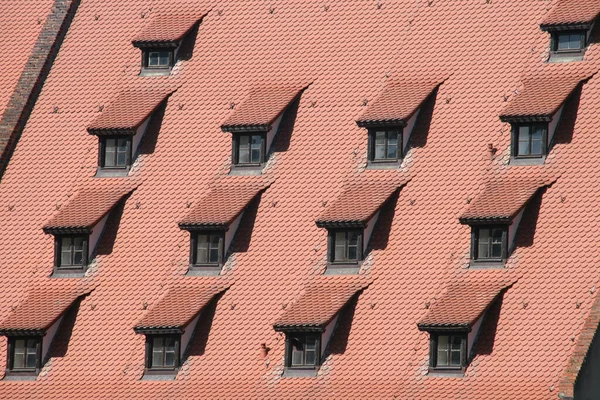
564, 41
340, 246
164, 59
244, 150
484, 237
65, 251
575, 41
352, 245
109, 153
496, 243
202, 249
523, 141
442, 351
19, 356
297, 351
122, 150
256, 148
455, 350
157, 351
169, 352
153, 59
392, 148
379, 145
537, 140
77, 251
214, 248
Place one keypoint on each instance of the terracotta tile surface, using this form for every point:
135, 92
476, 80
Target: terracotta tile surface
43, 306
572, 12
129, 110
503, 197
180, 305
90, 204
348, 50
464, 302
321, 300
359, 201
543, 94
167, 28
261, 107
399, 100
225, 201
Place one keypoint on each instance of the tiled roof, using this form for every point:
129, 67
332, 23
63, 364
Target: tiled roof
42, 307
321, 300
463, 303
545, 92
261, 107
398, 101
225, 201
503, 197
166, 28
128, 110
89, 205
572, 12
359, 201
180, 305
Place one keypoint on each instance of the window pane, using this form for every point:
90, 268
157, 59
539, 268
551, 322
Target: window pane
564, 41
524, 140
536, 140
153, 59
109, 153
256, 148
244, 150
65, 252
201, 249
214, 248
496, 243
455, 350
164, 58
379, 145
340, 246
442, 351
352, 245
169, 352
484, 237
19, 356
297, 351
575, 41
157, 351
77, 251
122, 150
392, 145
31, 353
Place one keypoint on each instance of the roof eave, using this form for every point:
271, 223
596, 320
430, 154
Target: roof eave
568, 26
529, 118
152, 44
241, 128
113, 131
158, 330
69, 230
373, 123
441, 327
486, 220
22, 331
342, 224
203, 226
299, 328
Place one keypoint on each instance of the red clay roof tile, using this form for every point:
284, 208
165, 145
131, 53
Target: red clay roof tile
166, 28
398, 101
42, 307
261, 107
128, 110
569, 12
544, 93
89, 205
503, 197
321, 301
462, 304
225, 201
180, 305
359, 201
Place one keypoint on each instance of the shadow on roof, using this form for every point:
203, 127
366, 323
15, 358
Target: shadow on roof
381, 232
60, 344
526, 233
148, 143
243, 237
566, 126
199, 339
186, 50
281, 142
109, 235
418, 138
487, 335
339, 340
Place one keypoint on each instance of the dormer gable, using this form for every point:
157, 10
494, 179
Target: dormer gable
495, 214
170, 324
570, 23
391, 118
351, 219
310, 322
78, 226
536, 110
254, 124
161, 40
121, 127
214, 220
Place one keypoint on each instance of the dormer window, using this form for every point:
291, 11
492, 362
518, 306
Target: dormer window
78, 226
350, 221
530, 140
24, 355
391, 118
568, 41
254, 125
170, 325
158, 59
309, 324
449, 351
489, 243
120, 128
214, 221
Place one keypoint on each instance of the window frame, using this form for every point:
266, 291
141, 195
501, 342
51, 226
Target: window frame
583, 41
433, 351
331, 235
102, 152
146, 59
235, 150
58, 266
289, 350
208, 266
372, 145
10, 359
532, 126
162, 370
475, 230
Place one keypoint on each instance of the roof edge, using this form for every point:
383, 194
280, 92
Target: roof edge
584, 25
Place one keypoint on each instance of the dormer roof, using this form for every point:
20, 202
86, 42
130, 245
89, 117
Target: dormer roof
167, 30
